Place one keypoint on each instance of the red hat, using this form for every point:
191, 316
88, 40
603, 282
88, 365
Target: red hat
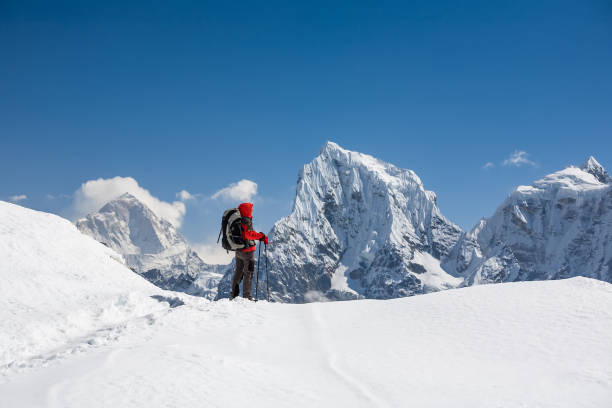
246, 210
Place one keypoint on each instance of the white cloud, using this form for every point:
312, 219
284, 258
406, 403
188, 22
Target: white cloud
93, 194
185, 195
244, 190
518, 158
17, 198
488, 165
213, 253
57, 197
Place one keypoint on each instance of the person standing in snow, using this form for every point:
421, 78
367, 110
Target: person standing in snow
245, 258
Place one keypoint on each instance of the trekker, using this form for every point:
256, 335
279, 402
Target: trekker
245, 258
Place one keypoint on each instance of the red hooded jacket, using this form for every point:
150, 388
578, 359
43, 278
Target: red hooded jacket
246, 211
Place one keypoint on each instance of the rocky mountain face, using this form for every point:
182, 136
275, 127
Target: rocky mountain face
559, 227
359, 228
151, 246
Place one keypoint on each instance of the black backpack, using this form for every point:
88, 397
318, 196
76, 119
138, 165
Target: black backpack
231, 230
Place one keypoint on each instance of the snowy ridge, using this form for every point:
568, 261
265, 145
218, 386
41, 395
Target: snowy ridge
559, 227
151, 246
57, 284
359, 227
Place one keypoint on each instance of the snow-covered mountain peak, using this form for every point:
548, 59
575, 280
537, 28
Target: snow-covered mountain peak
125, 200
151, 245
570, 181
130, 227
557, 227
126, 203
359, 227
593, 167
330, 146
333, 154
339, 176
571, 178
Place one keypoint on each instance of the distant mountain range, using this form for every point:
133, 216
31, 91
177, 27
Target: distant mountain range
363, 228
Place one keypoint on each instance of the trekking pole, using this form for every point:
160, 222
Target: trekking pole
267, 274
257, 279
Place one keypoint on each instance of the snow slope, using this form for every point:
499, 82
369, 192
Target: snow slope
151, 246
525, 344
558, 227
359, 227
58, 285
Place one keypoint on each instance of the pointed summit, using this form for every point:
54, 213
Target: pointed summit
591, 163
331, 147
593, 167
129, 209
333, 153
124, 200
126, 196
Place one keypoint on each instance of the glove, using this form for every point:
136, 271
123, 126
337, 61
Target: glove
264, 239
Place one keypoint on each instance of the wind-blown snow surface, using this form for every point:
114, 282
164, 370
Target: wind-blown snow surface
359, 227
525, 344
151, 246
58, 286
558, 227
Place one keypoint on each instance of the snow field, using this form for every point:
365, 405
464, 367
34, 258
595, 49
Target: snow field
544, 344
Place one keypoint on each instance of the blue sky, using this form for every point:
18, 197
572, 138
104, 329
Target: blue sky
158, 91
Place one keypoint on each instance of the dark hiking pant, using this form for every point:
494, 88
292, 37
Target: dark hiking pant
245, 266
